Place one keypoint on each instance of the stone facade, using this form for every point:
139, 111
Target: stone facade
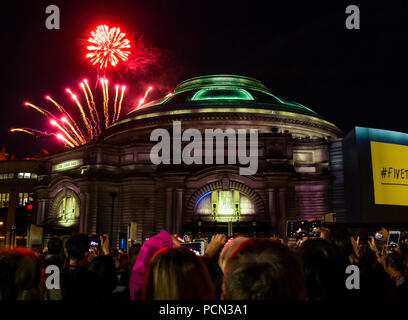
114, 180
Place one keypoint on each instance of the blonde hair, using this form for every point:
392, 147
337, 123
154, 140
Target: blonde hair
177, 274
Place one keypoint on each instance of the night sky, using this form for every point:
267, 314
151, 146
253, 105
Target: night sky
300, 50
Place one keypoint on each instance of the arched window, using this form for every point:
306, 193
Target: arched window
67, 211
224, 206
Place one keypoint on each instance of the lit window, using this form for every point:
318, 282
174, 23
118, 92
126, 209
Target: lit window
11, 175
222, 94
4, 200
24, 198
34, 176
1, 176
225, 205
27, 175
20, 175
68, 211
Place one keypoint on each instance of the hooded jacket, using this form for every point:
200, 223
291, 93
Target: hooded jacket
148, 249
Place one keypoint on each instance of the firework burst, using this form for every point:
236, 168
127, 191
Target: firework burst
107, 47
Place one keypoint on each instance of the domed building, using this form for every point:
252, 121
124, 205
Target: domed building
102, 186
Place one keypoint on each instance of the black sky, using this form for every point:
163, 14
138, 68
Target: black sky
301, 50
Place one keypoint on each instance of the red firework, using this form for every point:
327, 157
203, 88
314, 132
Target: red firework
107, 46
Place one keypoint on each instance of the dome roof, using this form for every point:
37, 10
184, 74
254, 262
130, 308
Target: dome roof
224, 89
231, 100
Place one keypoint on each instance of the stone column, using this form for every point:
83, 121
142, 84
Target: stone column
282, 212
11, 217
83, 217
169, 207
40, 211
179, 209
272, 210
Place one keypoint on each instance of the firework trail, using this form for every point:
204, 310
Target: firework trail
62, 110
105, 101
94, 123
56, 124
115, 103
78, 135
98, 127
81, 109
69, 131
33, 132
61, 137
120, 103
142, 100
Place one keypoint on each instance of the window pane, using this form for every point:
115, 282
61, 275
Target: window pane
27, 175
33, 176
11, 175
20, 175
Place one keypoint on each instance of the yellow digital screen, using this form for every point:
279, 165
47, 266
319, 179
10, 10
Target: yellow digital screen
390, 173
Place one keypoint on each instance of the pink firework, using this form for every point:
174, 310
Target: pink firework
107, 47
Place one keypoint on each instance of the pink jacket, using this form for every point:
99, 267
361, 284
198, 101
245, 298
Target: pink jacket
148, 249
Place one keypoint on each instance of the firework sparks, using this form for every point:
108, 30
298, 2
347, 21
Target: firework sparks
120, 103
40, 110
104, 84
115, 103
78, 135
90, 108
56, 124
62, 138
98, 128
142, 100
107, 46
68, 130
81, 109
33, 132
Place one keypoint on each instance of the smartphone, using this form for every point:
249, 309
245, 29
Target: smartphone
196, 246
300, 229
378, 235
95, 241
393, 240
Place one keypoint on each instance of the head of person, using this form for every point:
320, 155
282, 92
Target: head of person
323, 269
263, 269
78, 248
21, 275
104, 267
55, 246
216, 274
177, 274
228, 249
340, 236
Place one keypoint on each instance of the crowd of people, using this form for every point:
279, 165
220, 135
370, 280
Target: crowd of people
239, 268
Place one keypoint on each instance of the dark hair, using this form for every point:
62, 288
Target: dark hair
21, 275
105, 268
340, 236
55, 245
263, 269
78, 245
216, 274
323, 270
177, 274
368, 258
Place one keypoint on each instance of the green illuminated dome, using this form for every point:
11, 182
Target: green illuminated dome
224, 89
228, 101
